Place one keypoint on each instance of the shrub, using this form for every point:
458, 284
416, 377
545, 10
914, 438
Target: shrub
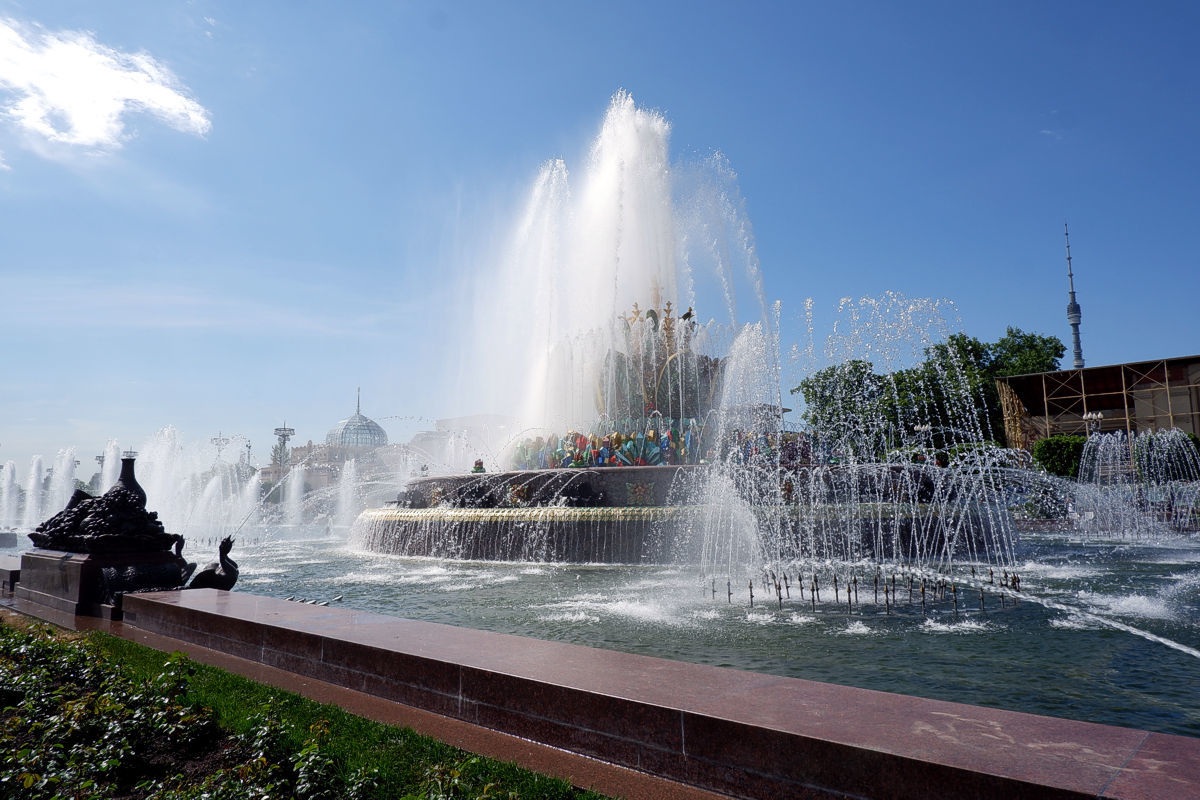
1059, 455
74, 725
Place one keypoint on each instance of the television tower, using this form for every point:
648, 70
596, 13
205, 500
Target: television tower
1074, 314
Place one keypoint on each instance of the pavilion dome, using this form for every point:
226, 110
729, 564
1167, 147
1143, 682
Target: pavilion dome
356, 431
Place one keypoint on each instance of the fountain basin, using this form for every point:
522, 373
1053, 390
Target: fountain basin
663, 514
540, 533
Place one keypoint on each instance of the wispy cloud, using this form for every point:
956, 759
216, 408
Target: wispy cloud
70, 302
66, 88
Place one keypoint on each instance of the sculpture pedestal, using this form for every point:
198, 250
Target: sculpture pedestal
83, 584
10, 575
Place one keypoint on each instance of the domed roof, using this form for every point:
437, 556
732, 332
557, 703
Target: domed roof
356, 431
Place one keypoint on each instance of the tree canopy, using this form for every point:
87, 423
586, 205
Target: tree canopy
952, 393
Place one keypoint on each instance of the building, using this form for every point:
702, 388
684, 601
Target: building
1133, 397
354, 436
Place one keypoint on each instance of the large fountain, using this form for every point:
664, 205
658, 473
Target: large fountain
652, 435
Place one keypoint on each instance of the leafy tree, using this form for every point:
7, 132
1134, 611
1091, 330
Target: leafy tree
280, 455
846, 404
1021, 353
953, 391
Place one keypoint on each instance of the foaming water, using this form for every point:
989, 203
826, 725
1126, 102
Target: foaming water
962, 626
1137, 606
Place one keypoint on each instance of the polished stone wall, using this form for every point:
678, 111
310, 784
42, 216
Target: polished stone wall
742, 734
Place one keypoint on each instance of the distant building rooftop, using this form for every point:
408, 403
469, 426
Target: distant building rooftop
356, 431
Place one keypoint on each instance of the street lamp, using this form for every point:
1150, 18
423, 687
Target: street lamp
1092, 420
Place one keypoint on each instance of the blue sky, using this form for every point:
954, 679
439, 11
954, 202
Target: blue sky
225, 215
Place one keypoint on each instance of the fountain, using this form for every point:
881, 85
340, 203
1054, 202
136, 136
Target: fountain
1138, 485
882, 547
638, 380
850, 551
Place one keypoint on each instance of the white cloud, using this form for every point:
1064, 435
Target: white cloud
3, 165
66, 88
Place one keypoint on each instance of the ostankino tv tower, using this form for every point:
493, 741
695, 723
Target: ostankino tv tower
1074, 314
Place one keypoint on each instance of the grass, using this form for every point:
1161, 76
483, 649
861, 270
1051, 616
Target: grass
401, 758
336, 752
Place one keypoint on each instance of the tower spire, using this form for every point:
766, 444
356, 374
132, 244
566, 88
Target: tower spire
1074, 313
358, 402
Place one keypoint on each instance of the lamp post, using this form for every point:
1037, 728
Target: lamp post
1092, 420
283, 434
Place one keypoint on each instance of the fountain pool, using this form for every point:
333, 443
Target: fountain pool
1105, 630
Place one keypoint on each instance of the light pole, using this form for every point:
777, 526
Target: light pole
1092, 420
283, 434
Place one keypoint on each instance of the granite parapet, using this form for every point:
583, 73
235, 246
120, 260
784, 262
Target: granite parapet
737, 733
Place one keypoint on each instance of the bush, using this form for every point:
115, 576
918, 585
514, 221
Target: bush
74, 725
1059, 455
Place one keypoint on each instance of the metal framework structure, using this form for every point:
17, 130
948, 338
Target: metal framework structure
1138, 396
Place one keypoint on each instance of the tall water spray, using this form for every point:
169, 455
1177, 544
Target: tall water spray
62, 481
1144, 484
631, 232
9, 495
348, 496
111, 467
293, 495
593, 323
33, 495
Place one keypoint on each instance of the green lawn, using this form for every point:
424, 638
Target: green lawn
98, 716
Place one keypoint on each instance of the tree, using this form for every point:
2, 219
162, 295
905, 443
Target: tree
845, 404
953, 392
1021, 353
280, 455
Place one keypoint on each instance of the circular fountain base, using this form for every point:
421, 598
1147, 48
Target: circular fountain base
545, 533
675, 514
613, 515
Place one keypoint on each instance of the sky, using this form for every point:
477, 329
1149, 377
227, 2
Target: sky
227, 216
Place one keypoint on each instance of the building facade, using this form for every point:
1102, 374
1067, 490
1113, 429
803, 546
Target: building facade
1133, 397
